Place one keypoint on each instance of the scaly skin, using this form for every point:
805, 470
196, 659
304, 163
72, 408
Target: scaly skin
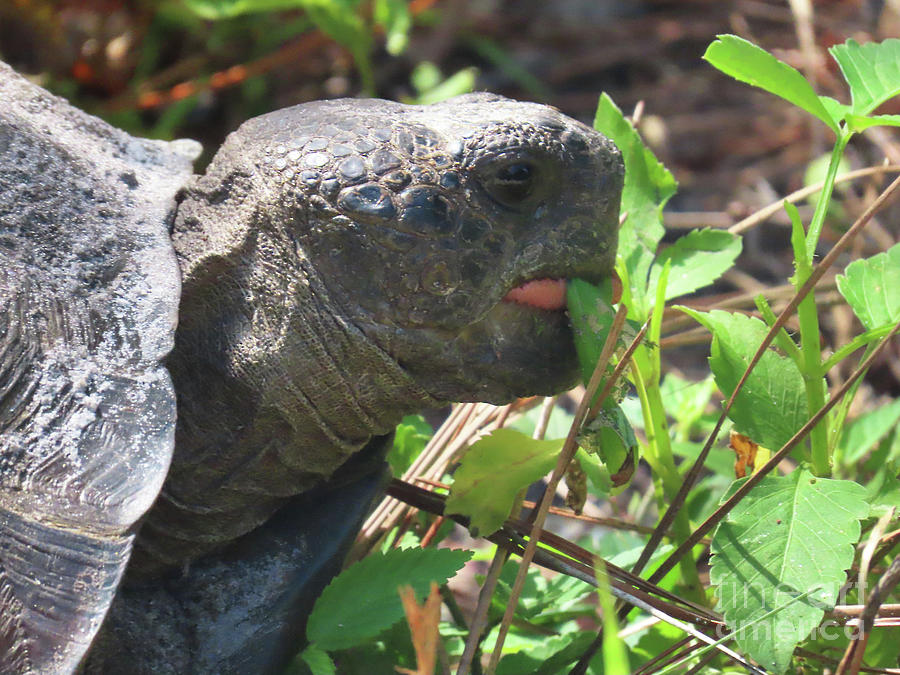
343, 265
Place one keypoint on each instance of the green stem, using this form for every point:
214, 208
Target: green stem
854, 344
839, 414
811, 363
660, 458
818, 219
814, 382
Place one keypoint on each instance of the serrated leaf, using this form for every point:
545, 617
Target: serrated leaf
872, 70
492, 472
872, 288
353, 609
771, 406
697, 259
648, 186
859, 123
551, 655
746, 62
791, 535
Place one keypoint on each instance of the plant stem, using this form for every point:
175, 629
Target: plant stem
811, 363
818, 219
658, 454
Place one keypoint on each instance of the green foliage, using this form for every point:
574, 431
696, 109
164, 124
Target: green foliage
872, 288
410, 438
872, 70
611, 438
782, 554
615, 655
493, 471
696, 260
746, 62
794, 536
345, 21
772, 406
432, 87
863, 433
352, 609
591, 313
214, 10
396, 19
648, 186
548, 655
318, 661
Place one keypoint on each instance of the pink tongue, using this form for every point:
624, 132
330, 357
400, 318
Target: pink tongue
541, 293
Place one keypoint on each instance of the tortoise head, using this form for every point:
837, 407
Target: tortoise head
420, 220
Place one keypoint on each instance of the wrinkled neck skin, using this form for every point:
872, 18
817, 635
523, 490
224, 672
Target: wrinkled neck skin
276, 388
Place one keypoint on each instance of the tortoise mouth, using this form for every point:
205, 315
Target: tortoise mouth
548, 294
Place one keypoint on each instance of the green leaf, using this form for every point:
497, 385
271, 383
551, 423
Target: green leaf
791, 535
882, 493
836, 109
746, 62
214, 10
362, 601
648, 186
610, 436
615, 654
772, 404
883, 648
432, 88
338, 19
591, 313
318, 661
697, 259
394, 16
858, 123
493, 471
872, 288
872, 70
410, 438
550, 655
686, 401
863, 433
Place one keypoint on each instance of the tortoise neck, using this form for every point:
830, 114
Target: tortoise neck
276, 389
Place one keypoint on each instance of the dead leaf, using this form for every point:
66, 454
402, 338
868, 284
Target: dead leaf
625, 472
745, 452
576, 482
423, 627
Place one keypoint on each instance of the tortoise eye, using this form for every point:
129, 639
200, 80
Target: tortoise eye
512, 183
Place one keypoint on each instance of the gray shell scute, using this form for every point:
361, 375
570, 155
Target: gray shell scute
89, 291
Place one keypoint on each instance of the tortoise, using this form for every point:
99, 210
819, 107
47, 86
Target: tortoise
338, 265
